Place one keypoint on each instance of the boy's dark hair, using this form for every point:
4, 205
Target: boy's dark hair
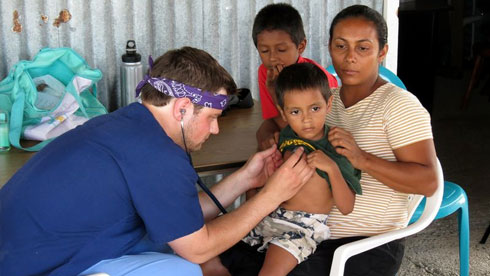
301, 76
190, 66
369, 14
280, 16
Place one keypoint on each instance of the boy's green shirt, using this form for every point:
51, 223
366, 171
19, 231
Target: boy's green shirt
288, 140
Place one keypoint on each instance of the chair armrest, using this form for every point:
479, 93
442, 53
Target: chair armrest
344, 252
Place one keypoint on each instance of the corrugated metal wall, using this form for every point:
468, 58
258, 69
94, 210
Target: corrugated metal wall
98, 30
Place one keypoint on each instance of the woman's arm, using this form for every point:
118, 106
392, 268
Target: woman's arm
414, 172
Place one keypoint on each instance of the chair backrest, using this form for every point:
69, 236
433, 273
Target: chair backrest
344, 252
384, 72
413, 203
432, 205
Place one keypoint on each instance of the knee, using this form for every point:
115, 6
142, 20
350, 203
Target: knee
178, 266
214, 267
148, 263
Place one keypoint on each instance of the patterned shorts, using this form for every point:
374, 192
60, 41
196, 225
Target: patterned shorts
295, 231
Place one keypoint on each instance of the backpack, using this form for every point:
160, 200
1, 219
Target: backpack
49, 95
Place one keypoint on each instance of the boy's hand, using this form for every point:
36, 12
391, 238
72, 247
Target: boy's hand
273, 139
318, 159
272, 74
270, 82
268, 134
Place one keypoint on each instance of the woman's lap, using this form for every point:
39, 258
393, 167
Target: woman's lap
243, 259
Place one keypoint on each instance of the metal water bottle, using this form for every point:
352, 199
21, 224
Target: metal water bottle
131, 73
4, 131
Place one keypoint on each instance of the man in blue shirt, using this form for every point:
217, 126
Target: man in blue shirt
109, 195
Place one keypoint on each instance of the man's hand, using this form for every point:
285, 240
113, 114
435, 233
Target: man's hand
261, 166
289, 178
219, 234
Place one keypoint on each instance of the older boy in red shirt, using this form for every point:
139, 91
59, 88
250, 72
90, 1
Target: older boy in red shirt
280, 39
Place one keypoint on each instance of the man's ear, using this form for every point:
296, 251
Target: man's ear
281, 112
181, 107
302, 46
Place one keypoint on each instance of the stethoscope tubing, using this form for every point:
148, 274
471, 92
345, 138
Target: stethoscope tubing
199, 180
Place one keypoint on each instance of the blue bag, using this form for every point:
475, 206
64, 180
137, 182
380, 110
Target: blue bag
49, 95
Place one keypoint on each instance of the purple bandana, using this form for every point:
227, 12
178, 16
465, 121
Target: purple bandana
179, 90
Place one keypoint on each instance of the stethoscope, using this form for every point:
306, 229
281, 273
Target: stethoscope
199, 180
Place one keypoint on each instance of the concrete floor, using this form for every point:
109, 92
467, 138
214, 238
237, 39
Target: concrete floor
462, 140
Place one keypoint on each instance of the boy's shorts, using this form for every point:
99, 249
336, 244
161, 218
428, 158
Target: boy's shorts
297, 232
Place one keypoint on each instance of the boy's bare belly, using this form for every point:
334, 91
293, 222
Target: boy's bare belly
314, 197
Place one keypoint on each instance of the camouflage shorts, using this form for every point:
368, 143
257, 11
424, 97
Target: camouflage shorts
295, 231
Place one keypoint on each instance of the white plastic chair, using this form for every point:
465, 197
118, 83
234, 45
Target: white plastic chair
344, 252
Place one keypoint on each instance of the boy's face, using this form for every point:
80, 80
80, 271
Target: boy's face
276, 48
305, 111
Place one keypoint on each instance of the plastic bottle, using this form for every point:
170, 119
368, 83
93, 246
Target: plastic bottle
4, 131
131, 73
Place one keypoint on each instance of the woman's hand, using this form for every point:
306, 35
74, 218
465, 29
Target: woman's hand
345, 145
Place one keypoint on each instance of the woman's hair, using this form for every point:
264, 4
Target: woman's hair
367, 13
189, 66
301, 76
281, 17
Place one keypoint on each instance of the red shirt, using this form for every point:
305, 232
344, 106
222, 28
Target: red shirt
269, 110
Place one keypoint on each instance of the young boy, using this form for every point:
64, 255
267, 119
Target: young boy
292, 232
280, 39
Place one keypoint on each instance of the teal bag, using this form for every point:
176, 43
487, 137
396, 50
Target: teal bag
49, 95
